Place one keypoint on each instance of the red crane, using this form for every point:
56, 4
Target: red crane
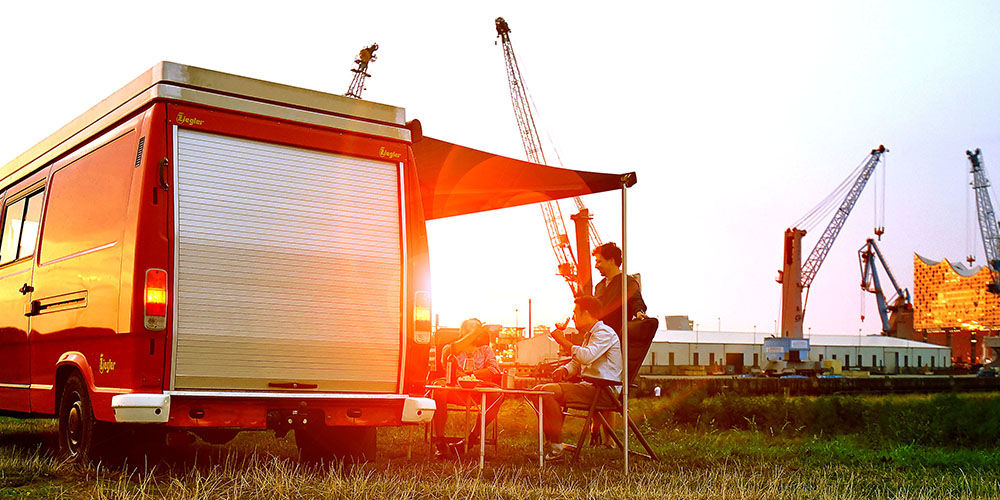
366, 56
554, 224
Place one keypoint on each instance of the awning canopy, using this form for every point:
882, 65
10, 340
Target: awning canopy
456, 180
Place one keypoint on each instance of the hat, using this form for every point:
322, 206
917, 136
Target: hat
479, 333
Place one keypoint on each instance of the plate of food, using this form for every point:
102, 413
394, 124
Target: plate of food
468, 381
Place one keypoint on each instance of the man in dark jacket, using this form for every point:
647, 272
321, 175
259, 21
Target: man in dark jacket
608, 261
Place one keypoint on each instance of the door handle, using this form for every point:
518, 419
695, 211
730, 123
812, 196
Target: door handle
26, 289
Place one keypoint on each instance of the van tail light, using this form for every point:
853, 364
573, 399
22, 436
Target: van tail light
422, 317
155, 300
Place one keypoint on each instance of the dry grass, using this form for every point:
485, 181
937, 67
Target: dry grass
699, 464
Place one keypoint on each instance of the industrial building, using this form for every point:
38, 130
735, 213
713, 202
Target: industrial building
952, 307
951, 295
737, 352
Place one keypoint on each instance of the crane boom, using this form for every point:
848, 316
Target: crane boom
818, 254
984, 211
530, 139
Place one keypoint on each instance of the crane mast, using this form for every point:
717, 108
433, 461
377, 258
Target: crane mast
366, 56
796, 276
987, 219
530, 139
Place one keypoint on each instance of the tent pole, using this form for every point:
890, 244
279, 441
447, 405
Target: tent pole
624, 303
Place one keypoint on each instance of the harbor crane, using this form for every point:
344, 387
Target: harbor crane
366, 56
554, 222
987, 219
796, 276
897, 316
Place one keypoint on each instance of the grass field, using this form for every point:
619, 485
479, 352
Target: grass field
706, 449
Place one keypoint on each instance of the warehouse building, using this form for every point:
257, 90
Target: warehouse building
738, 352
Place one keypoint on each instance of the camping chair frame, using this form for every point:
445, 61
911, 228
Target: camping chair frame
640, 340
603, 387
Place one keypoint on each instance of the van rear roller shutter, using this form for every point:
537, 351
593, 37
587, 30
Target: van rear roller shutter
288, 267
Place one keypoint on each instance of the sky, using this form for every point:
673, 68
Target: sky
737, 117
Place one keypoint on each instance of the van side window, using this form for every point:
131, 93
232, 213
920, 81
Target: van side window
87, 201
20, 228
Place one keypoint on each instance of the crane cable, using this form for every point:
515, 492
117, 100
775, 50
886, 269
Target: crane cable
878, 207
970, 250
825, 207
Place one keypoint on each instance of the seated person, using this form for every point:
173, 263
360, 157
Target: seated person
599, 356
470, 355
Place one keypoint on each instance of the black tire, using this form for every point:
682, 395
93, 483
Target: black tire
78, 430
328, 444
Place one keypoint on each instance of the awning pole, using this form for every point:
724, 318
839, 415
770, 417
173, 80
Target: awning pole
624, 303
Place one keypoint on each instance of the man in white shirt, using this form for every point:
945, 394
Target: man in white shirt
600, 356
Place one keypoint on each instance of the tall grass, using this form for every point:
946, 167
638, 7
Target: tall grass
710, 448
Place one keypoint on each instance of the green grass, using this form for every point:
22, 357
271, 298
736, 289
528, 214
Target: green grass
707, 452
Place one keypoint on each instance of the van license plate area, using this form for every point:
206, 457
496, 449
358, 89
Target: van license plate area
283, 420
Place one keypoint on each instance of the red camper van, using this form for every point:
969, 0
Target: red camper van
209, 253
214, 253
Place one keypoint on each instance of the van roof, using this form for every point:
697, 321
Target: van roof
182, 83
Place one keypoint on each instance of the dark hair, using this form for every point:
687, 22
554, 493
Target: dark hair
589, 305
610, 251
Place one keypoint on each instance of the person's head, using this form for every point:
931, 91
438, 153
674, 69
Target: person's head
607, 259
586, 312
471, 334
469, 326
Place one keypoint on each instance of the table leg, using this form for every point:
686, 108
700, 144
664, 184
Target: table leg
541, 439
482, 431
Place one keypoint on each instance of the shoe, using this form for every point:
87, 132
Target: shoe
555, 453
444, 451
458, 448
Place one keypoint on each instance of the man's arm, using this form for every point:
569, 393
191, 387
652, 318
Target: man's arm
636, 306
490, 369
571, 369
601, 340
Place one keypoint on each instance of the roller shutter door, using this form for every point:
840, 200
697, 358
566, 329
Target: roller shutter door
288, 267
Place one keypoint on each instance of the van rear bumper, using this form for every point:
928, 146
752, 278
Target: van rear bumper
141, 408
250, 409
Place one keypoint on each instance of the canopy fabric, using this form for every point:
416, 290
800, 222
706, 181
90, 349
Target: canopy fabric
456, 180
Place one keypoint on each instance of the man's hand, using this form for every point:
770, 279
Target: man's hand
559, 374
484, 374
559, 336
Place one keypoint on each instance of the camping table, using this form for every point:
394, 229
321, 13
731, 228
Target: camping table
483, 392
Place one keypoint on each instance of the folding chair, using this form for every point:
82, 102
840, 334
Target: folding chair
640, 337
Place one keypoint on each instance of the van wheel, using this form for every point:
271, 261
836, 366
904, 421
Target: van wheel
78, 431
348, 443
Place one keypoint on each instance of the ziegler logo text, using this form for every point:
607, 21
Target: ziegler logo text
187, 120
106, 365
385, 153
